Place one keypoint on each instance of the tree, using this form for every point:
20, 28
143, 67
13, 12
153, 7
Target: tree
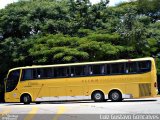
63, 31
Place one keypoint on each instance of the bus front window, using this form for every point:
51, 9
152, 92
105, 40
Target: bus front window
12, 80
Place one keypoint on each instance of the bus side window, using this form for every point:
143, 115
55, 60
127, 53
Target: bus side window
144, 66
80, 70
39, 73
102, 69
47, 73
72, 73
34, 73
26, 74
61, 72
131, 67
108, 71
122, 68
114, 68
126, 71
90, 69
97, 69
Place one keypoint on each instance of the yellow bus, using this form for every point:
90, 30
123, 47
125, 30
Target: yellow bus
99, 81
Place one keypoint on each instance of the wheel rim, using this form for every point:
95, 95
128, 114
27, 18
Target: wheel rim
98, 96
115, 96
25, 99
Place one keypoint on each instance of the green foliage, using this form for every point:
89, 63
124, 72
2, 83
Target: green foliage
150, 8
64, 31
158, 65
61, 49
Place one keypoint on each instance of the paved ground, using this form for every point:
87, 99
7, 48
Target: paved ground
74, 110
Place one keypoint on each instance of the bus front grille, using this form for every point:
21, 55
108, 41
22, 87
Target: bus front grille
144, 89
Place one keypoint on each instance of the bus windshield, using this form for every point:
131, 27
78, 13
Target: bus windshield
12, 80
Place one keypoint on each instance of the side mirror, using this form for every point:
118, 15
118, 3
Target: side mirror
5, 79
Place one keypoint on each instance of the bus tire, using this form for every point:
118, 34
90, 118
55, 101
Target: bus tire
115, 96
98, 96
26, 99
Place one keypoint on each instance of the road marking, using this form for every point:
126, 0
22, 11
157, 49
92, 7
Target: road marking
31, 114
60, 111
5, 112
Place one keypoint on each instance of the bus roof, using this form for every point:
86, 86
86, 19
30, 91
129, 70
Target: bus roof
84, 63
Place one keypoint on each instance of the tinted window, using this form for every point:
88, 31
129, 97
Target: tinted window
144, 66
43, 73
117, 68
114, 68
47, 73
108, 71
34, 73
72, 72
12, 80
96, 69
131, 67
39, 73
121, 68
61, 72
78, 71
81, 70
27, 74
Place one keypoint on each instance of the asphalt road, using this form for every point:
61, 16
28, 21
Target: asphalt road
86, 110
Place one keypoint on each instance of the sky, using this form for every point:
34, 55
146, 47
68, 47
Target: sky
3, 3
111, 3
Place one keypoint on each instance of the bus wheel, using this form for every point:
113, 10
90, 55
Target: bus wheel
115, 96
26, 99
98, 96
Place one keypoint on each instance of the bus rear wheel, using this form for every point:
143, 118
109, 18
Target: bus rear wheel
98, 96
115, 96
26, 99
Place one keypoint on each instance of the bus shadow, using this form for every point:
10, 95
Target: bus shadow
51, 102
68, 102
150, 100
79, 102
107, 101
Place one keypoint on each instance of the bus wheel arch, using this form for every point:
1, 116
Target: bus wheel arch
26, 98
98, 96
115, 95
